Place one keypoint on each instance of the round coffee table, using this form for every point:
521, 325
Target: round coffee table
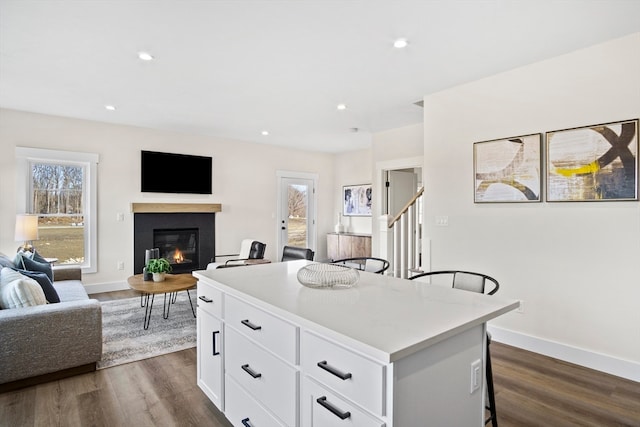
172, 284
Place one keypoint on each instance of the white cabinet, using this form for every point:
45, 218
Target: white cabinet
210, 342
272, 381
352, 375
243, 410
388, 353
323, 408
271, 332
210, 367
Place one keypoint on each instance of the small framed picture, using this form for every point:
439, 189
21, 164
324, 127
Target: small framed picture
593, 163
508, 170
356, 200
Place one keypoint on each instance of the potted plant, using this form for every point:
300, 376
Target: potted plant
158, 267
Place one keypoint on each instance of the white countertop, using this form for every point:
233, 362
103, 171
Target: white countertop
384, 317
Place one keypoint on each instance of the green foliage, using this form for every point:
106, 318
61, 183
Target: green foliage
160, 265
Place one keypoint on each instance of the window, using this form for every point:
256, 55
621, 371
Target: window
59, 187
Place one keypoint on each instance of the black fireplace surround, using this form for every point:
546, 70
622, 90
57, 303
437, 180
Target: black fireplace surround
145, 224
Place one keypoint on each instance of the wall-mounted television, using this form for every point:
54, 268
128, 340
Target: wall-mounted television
175, 173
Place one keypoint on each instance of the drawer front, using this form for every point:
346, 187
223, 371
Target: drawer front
322, 408
355, 376
266, 377
210, 299
243, 411
276, 334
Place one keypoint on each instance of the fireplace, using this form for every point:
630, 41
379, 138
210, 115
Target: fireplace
186, 239
179, 246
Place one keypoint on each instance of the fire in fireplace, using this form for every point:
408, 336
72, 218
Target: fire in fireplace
179, 246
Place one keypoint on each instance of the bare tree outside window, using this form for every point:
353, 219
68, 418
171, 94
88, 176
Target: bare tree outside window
297, 201
57, 198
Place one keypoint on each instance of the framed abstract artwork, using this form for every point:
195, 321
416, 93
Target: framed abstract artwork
508, 170
356, 200
593, 163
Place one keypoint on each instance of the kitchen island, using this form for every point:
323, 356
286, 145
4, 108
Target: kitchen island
387, 352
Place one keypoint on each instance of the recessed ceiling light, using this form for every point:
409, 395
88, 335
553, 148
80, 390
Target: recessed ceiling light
341, 107
145, 56
265, 132
110, 107
400, 43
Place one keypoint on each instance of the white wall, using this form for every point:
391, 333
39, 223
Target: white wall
392, 149
575, 265
244, 182
400, 143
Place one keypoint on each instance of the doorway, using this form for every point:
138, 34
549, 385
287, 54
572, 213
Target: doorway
296, 219
405, 178
401, 185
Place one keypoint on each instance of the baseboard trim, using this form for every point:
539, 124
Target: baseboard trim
96, 288
600, 362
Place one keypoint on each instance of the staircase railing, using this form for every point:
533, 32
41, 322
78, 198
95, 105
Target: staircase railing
400, 238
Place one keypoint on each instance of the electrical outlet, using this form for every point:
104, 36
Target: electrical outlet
520, 308
476, 375
120, 265
442, 221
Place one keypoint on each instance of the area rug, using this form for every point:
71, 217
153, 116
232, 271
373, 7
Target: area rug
124, 339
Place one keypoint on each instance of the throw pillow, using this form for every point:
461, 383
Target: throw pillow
37, 257
50, 292
18, 291
23, 262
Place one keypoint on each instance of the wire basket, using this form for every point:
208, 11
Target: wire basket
330, 276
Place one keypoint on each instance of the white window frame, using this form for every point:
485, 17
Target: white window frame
89, 161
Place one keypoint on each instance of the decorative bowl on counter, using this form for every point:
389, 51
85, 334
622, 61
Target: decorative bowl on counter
329, 276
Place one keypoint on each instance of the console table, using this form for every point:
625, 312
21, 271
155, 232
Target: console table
348, 245
387, 353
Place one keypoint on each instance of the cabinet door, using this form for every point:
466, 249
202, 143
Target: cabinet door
361, 246
210, 367
344, 246
333, 247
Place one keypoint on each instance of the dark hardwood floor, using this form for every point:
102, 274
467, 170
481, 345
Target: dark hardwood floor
535, 390
531, 390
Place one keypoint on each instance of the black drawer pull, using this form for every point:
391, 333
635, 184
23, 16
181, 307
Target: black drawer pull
324, 365
250, 371
213, 335
246, 423
250, 325
335, 411
205, 299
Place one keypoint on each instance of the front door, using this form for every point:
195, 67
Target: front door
296, 220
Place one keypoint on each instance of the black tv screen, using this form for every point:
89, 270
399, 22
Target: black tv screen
175, 173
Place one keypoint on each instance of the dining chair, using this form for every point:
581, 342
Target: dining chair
473, 282
371, 264
465, 280
290, 253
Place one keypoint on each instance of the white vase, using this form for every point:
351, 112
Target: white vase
158, 277
339, 228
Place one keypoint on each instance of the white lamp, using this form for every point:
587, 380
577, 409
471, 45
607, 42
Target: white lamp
26, 231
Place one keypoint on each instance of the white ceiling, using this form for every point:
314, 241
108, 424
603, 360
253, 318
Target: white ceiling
232, 69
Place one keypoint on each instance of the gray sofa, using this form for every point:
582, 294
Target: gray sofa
51, 341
